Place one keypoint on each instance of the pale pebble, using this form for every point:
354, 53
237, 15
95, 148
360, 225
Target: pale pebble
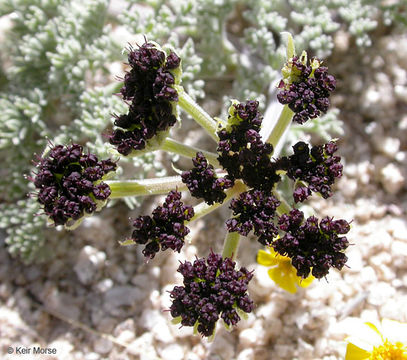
143, 346
90, 261
119, 296
380, 293
246, 354
171, 352
398, 228
247, 337
392, 178
102, 346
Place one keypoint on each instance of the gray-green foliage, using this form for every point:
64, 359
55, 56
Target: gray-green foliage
55, 80
242, 38
51, 56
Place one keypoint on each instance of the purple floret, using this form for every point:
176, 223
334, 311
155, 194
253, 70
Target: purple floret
165, 229
68, 182
308, 96
312, 246
243, 154
149, 88
203, 182
212, 289
254, 210
317, 167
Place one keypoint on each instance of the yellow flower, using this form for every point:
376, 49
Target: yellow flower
282, 272
385, 342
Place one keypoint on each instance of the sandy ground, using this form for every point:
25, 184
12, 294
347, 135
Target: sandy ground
96, 300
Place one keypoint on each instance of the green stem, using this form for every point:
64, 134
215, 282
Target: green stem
176, 147
157, 186
281, 126
231, 245
197, 113
203, 208
283, 208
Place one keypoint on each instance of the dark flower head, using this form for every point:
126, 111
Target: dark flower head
254, 210
317, 167
241, 151
306, 88
69, 183
312, 246
212, 289
203, 182
150, 88
165, 229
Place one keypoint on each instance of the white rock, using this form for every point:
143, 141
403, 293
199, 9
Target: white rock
155, 299
398, 228
247, 354
392, 309
402, 125
392, 178
143, 346
261, 286
104, 285
305, 349
121, 296
355, 260
247, 337
367, 275
92, 227
273, 328
154, 321
126, 325
64, 348
102, 346
399, 251
90, 260
222, 346
380, 293
348, 187
389, 146
172, 352
62, 303
369, 315
126, 336
92, 356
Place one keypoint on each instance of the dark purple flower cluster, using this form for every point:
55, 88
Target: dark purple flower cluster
203, 182
165, 229
308, 95
212, 289
312, 246
69, 182
255, 210
241, 151
318, 168
149, 87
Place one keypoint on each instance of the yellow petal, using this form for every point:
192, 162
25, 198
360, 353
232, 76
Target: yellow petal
305, 282
283, 279
266, 259
356, 353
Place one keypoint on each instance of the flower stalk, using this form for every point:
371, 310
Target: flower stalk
197, 113
231, 245
156, 186
281, 126
188, 151
203, 208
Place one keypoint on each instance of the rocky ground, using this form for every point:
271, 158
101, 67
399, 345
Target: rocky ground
97, 300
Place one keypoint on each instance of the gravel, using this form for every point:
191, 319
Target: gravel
96, 300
